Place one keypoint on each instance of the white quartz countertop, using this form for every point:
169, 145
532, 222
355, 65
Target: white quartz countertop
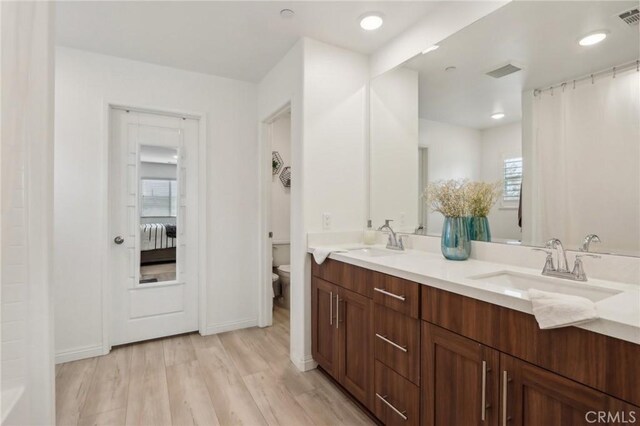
619, 314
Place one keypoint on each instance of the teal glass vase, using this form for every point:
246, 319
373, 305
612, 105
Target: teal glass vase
479, 229
455, 243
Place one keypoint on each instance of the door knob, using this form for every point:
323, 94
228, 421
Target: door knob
118, 240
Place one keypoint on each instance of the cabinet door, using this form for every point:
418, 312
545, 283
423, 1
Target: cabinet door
459, 380
324, 328
355, 320
532, 396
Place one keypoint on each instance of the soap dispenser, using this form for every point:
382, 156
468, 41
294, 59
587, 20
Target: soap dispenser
369, 234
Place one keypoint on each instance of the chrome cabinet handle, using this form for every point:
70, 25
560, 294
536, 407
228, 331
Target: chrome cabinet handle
398, 412
386, 293
392, 343
505, 381
118, 240
330, 308
337, 310
484, 406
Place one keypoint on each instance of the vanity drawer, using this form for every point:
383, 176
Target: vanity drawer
397, 400
397, 294
397, 342
344, 275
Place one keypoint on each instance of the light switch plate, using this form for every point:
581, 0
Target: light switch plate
326, 221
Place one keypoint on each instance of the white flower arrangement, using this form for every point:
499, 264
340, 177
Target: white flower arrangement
460, 197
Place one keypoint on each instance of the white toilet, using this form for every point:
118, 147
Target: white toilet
284, 272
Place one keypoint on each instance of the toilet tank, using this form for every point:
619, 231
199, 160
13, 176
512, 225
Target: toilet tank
281, 254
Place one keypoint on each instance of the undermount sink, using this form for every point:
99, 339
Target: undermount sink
375, 252
516, 284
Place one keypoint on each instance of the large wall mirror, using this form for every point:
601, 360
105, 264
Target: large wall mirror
541, 99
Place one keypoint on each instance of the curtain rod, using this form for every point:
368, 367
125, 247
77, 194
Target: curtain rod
620, 68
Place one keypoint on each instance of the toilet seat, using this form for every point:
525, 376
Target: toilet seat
284, 270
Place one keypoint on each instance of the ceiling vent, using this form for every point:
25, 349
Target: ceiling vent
630, 17
503, 71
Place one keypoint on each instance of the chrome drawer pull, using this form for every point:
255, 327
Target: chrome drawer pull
386, 293
505, 390
398, 412
394, 344
483, 403
330, 308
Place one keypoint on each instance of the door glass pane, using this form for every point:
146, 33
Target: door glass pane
158, 208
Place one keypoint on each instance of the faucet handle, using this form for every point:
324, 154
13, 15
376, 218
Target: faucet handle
578, 269
387, 221
548, 263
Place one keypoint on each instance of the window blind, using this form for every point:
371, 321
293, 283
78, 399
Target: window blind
512, 179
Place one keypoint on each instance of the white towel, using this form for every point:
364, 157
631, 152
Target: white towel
321, 253
554, 310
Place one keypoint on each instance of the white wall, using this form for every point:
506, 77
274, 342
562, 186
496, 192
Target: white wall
280, 88
454, 153
26, 368
280, 195
393, 149
335, 128
497, 144
85, 82
326, 88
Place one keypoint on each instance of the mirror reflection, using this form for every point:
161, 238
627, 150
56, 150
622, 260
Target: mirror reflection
158, 213
526, 101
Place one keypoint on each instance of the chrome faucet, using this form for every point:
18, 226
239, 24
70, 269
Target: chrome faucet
556, 244
591, 238
577, 274
394, 242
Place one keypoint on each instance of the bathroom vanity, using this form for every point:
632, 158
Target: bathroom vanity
429, 353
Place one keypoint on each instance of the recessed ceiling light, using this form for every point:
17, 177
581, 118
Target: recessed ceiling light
430, 49
371, 21
497, 115
593, 38
287, 13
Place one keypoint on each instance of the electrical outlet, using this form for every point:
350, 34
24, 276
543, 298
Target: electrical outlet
326, 221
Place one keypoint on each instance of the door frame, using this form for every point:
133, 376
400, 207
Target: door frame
265, 305
105, 275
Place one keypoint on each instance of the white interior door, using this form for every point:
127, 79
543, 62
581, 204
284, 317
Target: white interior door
144, 207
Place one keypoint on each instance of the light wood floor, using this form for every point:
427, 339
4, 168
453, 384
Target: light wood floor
160, 271
239, 377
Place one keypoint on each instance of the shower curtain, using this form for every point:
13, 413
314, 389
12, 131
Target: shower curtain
585, 168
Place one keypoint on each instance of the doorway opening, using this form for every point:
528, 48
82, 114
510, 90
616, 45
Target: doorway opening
153, 220
278, 141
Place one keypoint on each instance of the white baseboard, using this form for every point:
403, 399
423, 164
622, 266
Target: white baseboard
305, 364
79, 353
229, 326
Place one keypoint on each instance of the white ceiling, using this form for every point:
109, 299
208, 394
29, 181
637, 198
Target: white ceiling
236, 39
540, 37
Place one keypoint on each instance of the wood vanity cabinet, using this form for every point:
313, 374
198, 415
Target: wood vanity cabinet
414, 354
460, 379
325, 345
532, 396
342, 323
